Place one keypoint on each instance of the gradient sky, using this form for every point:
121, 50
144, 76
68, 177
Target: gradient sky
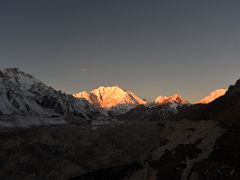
151, 47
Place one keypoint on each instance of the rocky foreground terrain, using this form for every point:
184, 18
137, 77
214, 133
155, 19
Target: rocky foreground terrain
137, 150
66, 138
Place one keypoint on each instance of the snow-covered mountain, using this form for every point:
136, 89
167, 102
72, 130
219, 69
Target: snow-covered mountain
23, 95
212, 96
114, 99
164, 107
173, 101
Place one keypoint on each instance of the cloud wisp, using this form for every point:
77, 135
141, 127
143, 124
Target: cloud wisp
84, 70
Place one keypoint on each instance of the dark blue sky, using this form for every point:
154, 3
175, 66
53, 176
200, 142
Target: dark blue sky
161, 47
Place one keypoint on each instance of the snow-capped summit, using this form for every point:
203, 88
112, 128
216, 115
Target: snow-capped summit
114, 99
18, 78
176, 99
15, 95
212, 96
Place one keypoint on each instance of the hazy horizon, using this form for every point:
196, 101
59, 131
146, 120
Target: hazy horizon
151, 48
